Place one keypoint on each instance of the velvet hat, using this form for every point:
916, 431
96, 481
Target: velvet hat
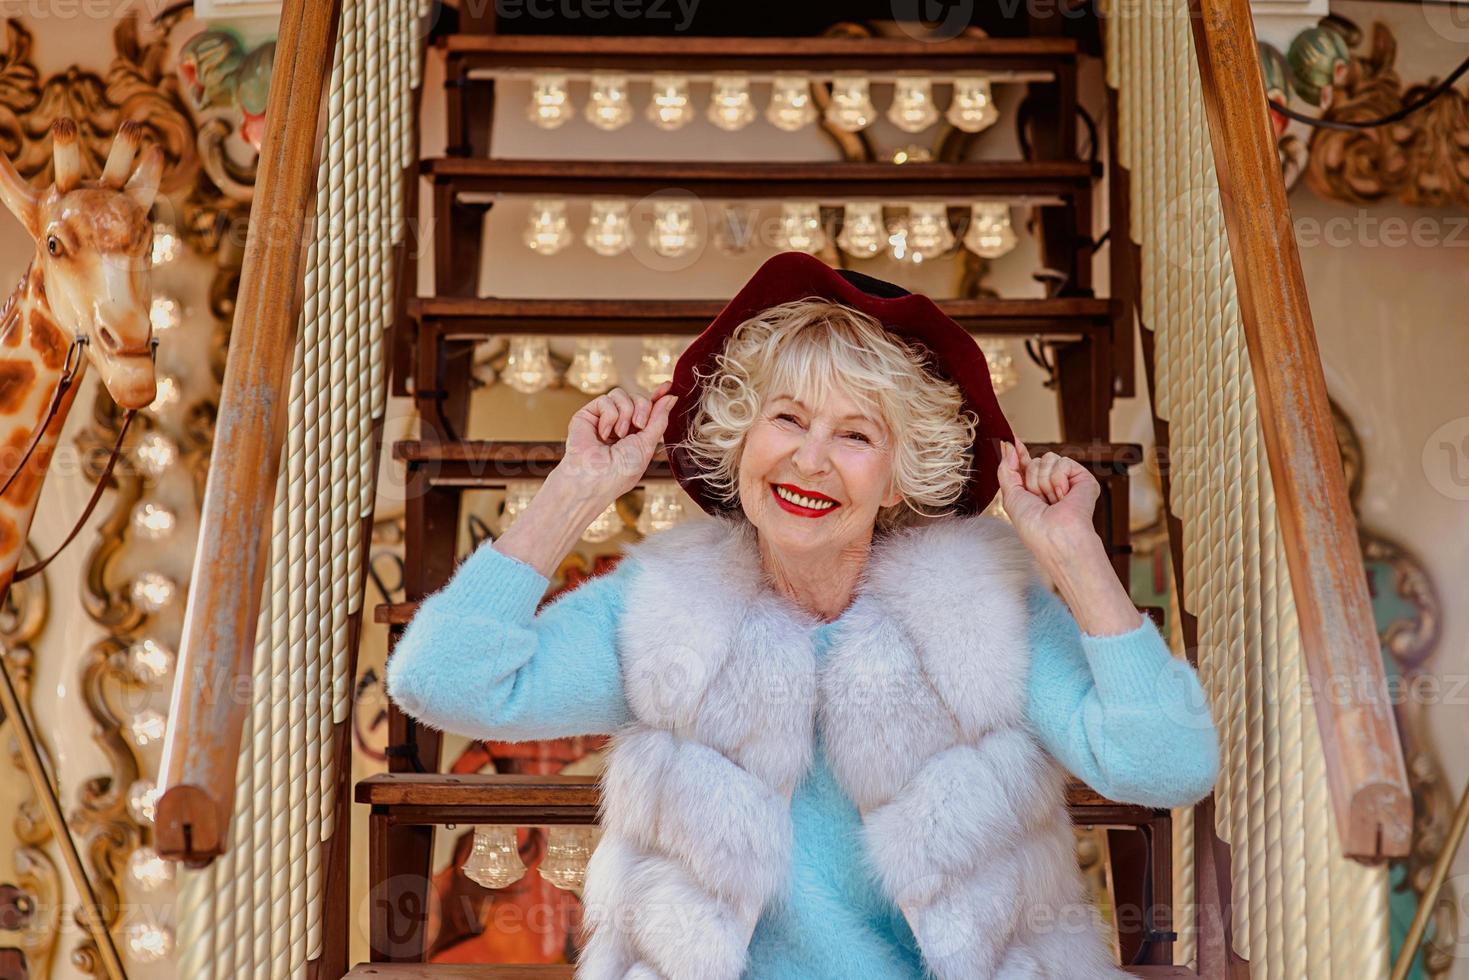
787, 276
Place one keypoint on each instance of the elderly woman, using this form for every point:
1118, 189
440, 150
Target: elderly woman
844, 706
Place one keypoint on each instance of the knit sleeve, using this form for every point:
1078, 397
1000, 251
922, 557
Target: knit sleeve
478, 659
1120, 712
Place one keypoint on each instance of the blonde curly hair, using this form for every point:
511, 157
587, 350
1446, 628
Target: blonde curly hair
807, 348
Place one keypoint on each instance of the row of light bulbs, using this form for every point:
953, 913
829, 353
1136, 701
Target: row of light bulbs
922, 233
661, 510
913, 107
529, 367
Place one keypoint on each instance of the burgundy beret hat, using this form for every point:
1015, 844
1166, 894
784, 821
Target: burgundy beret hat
954, 355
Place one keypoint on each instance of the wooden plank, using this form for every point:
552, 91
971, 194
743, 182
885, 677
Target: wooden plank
835, 182
202, 747
1364, 760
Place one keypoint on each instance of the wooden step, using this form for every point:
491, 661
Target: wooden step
870, 55
467, 317
830, 182
487, 971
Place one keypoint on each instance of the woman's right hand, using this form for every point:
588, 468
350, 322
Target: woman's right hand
611, 440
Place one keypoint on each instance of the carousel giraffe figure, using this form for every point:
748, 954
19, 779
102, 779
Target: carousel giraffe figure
86, 288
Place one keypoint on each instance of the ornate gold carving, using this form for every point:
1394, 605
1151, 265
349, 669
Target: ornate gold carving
1422, 160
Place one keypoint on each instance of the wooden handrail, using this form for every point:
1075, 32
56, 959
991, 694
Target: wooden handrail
210, 697
1364, 762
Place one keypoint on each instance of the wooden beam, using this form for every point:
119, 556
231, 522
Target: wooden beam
207, 712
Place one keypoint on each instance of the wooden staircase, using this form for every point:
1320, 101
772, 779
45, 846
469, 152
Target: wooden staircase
1089, 339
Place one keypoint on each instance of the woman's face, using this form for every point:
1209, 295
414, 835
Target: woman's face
833, 454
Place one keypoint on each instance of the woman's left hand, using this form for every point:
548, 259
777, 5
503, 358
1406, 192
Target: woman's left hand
1049, 500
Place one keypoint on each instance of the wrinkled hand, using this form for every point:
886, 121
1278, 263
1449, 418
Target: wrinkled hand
611, 440
1050, 500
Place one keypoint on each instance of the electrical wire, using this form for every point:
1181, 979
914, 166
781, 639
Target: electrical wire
1391, 117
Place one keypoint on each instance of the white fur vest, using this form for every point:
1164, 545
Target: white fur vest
919, 700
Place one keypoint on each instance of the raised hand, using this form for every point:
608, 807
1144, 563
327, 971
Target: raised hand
612, 439
1050, 500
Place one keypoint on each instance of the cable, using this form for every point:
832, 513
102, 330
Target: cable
1391, 117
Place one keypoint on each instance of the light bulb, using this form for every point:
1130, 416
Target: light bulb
149, 660
912, 109
494, 860
673, 232
152, 591
164, 313
668, 107
148, 726
990, 233
143, 800
518, 495
166, 393
729, 102
735, 230
550, 101
567, 851
152, 521
800, 227
608, 106
660, 354
529, 368
851, 107
592, 369
1003, 375
973, 106
862, 235
165, 243
147, 942
790, 105
929, 235
608, 232
661, 508
604, 526
150, 871
156, 454
545, 227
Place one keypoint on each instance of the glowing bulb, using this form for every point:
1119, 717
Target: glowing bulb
669, 106
143, 800
550, 102
928, 229
735, 230
990, 233
150, 871
851, 107
800, 227
529, 368
592, 370
661, 508
166, 393
609, 106
494, 860
545, 228
604, 526
862, 234
1003, 375
153, 591
660, 354
164, 313
912, 109
607, 231
790, 105
148, 943
973, 106
165, 243
567, 851
148, 726
149, 660
673, 232
729, 102
152, 521
155, 453
518, 495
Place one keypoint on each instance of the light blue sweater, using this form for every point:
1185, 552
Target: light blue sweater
1120, 712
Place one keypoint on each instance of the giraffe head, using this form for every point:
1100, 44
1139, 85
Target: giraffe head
94, 248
